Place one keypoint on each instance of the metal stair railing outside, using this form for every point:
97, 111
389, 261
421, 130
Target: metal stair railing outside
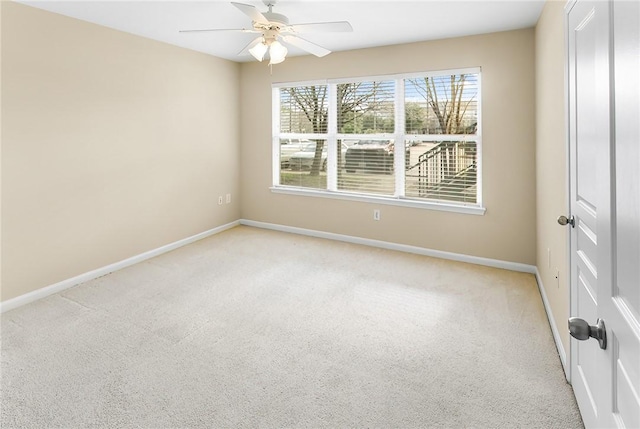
443, 164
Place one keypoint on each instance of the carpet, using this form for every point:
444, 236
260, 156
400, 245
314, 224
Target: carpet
257, 328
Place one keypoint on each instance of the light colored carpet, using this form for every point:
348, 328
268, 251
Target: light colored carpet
255, 328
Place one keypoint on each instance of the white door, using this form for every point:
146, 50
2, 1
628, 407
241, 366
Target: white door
604, 150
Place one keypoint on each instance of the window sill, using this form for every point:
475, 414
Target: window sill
391, 201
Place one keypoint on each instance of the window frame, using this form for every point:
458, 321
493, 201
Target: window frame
331, 137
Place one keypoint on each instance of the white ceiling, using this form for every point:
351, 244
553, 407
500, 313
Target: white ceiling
375, 23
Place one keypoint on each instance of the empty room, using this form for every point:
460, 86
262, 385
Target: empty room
393, 214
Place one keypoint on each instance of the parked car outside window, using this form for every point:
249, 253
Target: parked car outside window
370, 155
288, 147
303, 160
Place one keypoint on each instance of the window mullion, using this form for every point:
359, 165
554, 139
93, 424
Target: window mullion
399, 147
332, 130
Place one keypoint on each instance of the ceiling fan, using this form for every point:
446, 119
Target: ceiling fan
274, 28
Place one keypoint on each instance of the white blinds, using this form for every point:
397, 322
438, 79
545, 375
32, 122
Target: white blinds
368, 167
304, 109
409, 137
444, 104
442, 170
366, 107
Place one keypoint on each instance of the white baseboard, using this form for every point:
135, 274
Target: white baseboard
554, 327
512, 266
66, 284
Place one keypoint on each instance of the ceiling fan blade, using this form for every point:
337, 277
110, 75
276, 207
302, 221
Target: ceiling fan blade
239, 30
321, 27
308, 46
252, 12
254, 42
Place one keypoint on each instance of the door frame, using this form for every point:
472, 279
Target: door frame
567, 147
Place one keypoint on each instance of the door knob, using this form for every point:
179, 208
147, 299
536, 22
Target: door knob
580, 330
563, 220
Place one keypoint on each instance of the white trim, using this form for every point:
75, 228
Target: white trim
390, 200
442, 137
554, 327
567, 142
332, 141
433, 73
377, 136
298, 136
278, 85
66, 284
382, 77
479, 145
399, 138
477, 260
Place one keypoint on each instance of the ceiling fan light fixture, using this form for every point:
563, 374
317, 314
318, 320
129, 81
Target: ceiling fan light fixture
258, 51
273, 26
277, 52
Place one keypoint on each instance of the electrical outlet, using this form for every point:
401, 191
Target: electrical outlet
228, 198
220, 200
376, 214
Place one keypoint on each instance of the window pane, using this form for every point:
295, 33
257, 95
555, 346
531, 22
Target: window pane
446, 104
304, 109
439, 109
304, 164
366, 107
367, 167
442, 170
288, 147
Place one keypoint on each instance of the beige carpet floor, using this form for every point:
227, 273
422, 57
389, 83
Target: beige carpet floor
256, 328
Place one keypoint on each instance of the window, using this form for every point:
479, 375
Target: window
407, 139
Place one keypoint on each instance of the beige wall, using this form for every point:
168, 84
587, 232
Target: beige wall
112, 145
551, 161
508, 229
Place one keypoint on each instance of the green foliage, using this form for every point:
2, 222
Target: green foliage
414, 118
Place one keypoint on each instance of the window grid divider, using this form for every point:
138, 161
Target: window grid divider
399, 146
332, 141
